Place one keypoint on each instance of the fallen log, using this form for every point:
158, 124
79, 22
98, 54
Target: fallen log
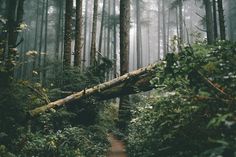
130, 83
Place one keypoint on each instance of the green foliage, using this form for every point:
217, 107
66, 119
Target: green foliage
77, 130
193, 113
73, 142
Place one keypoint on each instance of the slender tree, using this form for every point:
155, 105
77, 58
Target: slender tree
78, 33
181, 21
221, 20
45, 44
108, 29
68, 33
41, 35
94, 33
164, 27
138, 35
102, 26
114, 38
209, 21
215, 19
36, 27
58, 28
85, 33
159, 30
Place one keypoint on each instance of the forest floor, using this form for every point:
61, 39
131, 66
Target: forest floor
117, 147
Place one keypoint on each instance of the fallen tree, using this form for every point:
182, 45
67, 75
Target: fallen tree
130, 83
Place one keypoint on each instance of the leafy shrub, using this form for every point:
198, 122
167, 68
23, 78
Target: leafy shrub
194, 113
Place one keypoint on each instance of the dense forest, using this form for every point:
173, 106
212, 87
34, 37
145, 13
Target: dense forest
103, 78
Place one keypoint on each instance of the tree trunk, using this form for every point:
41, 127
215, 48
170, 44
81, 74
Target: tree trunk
130, 83
94, 33
149, 44
58, 29
68, 33
209, 22
78, 33
181, 21
36, 28
215, 20
159, 31
108, 29
85, 34
124, 107
221, 20
41, 37
164, 28
168, 31
114, 38
45, 45
102, 27
138, 35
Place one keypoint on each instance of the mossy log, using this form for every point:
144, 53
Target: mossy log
130, 83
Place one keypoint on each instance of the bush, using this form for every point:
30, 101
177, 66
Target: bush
194, 113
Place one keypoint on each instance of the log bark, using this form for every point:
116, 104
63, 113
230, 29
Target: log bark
130, 83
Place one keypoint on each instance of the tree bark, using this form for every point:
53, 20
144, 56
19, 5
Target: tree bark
124, 106
68, 33
138, 35
159, 31
209, 22
181, 21
221, 20
130, 83
164, 28
94, 33
215, 20
41, 36
114, 38
45, 45
85, 34
108, 30
58, 29
78, 33
102, 26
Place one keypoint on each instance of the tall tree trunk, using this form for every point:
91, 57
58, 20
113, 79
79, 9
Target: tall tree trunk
68, 33
58, 29
124, 107
36, 27
221, 20
168, 31
41, 36
164, 28
149, 44
138, 35
215, 20
114, 38
85, 34
209, 22
102, 26
181, 21
159, 31
94, 33
45, 45
109, 29
36, 35
78, 33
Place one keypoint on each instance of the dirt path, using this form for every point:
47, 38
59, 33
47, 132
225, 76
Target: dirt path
117, 147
